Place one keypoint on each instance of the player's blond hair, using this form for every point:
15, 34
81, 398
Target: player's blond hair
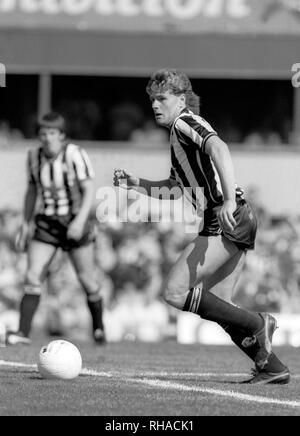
176, 82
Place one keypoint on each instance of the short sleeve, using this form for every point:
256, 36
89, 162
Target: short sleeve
194, 131
82, 164
29, 168
172, 174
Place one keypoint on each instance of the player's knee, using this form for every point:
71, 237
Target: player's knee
173, 296
87, 282
33, 278
168, 295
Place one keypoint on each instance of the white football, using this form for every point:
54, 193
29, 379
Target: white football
59, 360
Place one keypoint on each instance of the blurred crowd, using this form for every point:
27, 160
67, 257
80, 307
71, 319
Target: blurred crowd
128, 122
9, 135
132, 262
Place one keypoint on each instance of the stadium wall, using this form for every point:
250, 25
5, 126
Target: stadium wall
191, 330
272, 172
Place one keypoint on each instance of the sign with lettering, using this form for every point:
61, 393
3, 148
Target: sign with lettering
187, 16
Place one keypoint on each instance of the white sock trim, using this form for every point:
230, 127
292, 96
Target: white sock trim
196, 299
32, 289
94, 298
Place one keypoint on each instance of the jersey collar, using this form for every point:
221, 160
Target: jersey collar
184, 111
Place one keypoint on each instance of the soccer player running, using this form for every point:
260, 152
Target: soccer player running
211, 264
59, 199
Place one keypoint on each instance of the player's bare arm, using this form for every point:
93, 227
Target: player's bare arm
28, 212
76, 227
127, 180
30, 202
220, 155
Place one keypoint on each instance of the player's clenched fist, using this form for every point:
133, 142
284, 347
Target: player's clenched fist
125, 179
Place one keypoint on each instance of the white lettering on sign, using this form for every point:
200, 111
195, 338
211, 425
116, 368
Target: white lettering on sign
128, 8
179, 9
7, 5
238, 8
153, 8
77, 7
31, 6
104, 7
184, 9
296, 76
214, 8
51, 6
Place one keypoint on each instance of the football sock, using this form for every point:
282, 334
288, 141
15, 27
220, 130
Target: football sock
237, 337
213, 308
96, 309
28, 307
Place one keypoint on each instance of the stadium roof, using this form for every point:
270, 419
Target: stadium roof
223, 38
214, 56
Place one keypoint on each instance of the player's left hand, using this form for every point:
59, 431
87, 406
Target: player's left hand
75, 230
225, 215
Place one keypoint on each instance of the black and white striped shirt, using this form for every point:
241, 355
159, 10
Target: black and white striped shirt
191, 166
58, 180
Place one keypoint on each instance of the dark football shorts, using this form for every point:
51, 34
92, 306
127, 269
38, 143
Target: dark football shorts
53, 231
243, 236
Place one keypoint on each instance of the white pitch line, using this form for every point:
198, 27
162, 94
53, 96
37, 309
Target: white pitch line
84, 371
175, 386
94, 373
184, 374
217, 392
17, 364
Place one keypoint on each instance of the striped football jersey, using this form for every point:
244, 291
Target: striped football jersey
191, 166
59, 180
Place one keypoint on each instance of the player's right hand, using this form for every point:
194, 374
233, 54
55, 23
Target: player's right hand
126, 180
22, 238
225, 215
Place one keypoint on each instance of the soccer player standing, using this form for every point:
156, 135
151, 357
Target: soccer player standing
212, 263
59, 199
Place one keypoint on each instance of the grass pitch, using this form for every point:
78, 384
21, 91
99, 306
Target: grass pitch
140, 379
